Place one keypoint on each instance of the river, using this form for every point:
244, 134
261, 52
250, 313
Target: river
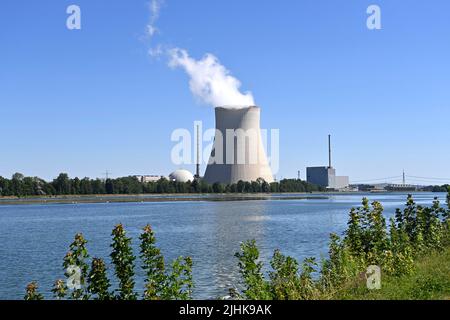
34, 238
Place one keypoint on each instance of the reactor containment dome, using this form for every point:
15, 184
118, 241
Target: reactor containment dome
181, 176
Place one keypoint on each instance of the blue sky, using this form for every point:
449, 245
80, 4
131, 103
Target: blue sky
84, 101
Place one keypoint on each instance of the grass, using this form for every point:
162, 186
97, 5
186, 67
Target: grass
429, 281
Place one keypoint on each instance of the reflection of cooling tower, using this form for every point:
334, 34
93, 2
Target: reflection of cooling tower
238, 152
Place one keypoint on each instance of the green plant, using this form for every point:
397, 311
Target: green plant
153, 264
98, 281
59, 289
416, 231
308, 287
448, 198
284, 279
32, 292
284, 283
366, 234
123, 259
179, 281
160, 284
76, 258
250, 267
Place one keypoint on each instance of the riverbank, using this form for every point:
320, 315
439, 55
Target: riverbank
177, 197
430, 280
74, 199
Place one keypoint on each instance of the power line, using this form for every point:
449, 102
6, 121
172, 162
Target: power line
403, 179
380, 179
429, 178
427, 182
106, 174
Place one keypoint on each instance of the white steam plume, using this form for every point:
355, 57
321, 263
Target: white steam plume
210, 81
155, 8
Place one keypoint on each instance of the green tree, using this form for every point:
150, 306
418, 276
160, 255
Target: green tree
218, 188
17, 184
62, 184
109, 186
98, 281
123, 260
240, 186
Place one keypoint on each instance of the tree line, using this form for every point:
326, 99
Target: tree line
443, 188
21, 186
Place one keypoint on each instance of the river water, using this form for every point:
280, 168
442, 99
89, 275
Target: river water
34, 238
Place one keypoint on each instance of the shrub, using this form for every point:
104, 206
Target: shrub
32, 292
415, 231
93, 283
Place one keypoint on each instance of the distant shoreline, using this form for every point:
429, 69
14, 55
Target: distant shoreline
139, 198
181, 197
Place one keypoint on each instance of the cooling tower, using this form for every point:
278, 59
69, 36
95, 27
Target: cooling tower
238, 152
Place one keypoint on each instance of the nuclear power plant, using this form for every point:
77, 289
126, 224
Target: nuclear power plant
238, 152
326, 176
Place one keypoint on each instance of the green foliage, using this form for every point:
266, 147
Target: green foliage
123, 259
98, 281
179, 281
59, 289
250, 267
284, 283
218, 188
430, 279
448, 197
366, 237
160, 284
22, 186
415, 232
76, 257
153, 264
32, 292
341, 266
284, 278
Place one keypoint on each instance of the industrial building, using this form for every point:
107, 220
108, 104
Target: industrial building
391, 187
240, 156
148, 178
326, 176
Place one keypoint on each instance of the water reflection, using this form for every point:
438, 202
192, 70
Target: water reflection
233, 224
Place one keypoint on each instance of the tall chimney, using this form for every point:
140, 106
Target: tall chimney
238, 151
329, 151
197, 174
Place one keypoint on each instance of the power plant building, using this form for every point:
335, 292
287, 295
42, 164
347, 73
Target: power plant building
238, 151
321, 176
148, 178
326, 176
